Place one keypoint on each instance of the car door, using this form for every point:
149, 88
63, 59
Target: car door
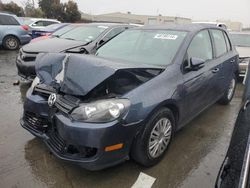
198, 84
225, 55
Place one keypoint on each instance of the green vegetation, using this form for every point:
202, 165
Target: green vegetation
65, 12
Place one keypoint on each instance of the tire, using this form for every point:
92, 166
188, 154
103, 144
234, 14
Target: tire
229, 93
11, 42
141, 151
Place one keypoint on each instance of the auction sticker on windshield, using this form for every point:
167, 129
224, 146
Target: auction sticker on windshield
165, 36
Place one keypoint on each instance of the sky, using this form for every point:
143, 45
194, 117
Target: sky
234, 10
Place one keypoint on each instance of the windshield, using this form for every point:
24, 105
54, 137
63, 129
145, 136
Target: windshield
63, 30
27, 21
83, 33
52, 27
157, 47
241, 39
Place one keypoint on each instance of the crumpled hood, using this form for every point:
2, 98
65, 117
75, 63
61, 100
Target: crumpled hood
243, 51
78, 74
52, 45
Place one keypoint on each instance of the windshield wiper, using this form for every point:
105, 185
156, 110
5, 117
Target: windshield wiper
68, 38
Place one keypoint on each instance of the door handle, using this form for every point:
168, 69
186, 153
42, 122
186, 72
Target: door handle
215, 70
232, 61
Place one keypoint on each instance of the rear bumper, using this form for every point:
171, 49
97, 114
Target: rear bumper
24, 39
79, 142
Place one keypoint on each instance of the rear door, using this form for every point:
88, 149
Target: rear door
224, 55
198, 85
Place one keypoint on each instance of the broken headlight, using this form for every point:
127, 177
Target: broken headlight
34, 83
101, 111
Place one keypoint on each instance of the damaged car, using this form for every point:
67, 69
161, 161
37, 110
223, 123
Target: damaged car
82, 39
129, 99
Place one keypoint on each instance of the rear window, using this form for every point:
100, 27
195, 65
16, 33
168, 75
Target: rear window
219, 42
8, 20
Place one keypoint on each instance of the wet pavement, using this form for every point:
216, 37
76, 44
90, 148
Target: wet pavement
193, 159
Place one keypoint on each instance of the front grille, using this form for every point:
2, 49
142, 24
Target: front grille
44, 90
28, 56
36, 123
66, 103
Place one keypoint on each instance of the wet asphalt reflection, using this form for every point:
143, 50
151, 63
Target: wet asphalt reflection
193, 159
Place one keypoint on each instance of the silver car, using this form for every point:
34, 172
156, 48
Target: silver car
241, 41
12, 32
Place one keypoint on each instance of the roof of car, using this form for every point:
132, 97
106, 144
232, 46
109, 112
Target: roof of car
107, 24
7, 13
182, 27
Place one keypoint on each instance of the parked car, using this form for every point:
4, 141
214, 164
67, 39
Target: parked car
129, 99
57, 33
234, 171
242, 42
38, 23
84, 38
48, 30
12, 32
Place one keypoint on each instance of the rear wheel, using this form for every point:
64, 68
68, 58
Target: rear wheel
229, 93
152, 143
11, 43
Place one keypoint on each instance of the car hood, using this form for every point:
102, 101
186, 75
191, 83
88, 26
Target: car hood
52, 45
79, 74
243, 51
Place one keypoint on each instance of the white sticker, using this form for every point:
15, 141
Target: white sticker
165, 36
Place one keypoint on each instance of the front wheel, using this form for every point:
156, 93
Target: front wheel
229, 93
151, 144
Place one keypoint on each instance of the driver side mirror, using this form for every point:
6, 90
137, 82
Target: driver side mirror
196, 63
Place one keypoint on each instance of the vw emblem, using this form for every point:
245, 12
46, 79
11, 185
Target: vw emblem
52, 99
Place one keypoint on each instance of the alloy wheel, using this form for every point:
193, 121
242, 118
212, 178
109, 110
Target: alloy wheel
160, 137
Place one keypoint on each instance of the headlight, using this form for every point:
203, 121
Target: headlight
101, 111
34, 83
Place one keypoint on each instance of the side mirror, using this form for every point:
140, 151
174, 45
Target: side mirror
196, 63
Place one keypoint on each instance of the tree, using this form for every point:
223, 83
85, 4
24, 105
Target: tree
31, 11
51, 8
12, 8
65, 12
72, 13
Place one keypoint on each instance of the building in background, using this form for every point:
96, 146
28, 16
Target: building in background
134, 18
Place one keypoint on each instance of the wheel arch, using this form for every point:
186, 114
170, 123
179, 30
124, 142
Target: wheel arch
13, 35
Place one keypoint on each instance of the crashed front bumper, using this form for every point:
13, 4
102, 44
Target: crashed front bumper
85, 143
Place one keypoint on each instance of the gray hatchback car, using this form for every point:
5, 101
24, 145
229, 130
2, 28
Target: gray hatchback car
130, 99
12, 32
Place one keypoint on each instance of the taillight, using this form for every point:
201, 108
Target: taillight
25, 27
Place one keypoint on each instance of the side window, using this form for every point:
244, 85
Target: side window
229, 47
38, 23
8, 20
219, 42
46, 23
114, 32
201, 46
